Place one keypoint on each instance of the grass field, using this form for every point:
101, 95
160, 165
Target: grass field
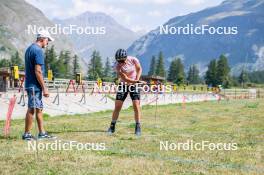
240, 121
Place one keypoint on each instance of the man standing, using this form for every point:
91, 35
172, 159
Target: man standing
129, 70
34, 84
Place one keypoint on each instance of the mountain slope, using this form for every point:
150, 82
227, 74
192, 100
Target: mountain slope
247, 15
114, 36
15, 16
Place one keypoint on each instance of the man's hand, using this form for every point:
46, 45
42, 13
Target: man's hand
45, 92
40, 79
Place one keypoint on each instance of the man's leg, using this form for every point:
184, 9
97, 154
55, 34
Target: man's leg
42, 133
29, 117
40, 120
29, 120
28, 124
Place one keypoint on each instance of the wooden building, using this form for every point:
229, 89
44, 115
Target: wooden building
7, 80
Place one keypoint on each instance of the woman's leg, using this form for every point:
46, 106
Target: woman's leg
137, 110
118, 107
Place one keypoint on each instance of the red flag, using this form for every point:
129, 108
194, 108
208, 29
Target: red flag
9, 115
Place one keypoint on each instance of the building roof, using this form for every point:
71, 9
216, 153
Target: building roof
5, 71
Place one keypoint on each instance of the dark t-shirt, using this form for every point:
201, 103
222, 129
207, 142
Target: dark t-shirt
33, 56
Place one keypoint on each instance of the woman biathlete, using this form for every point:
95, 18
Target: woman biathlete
129, 71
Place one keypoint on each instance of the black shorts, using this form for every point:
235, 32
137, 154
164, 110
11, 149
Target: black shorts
123, 90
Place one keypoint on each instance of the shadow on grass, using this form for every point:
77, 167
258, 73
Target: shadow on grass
72, 131
8, 137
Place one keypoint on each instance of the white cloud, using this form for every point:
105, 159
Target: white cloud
193, 2
57, 9
251, 32
259, 52
166, 2
150, 1
133, 14
154, 13
52, 8
139, 29
80, 6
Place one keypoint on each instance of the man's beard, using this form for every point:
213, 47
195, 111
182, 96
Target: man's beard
44, 46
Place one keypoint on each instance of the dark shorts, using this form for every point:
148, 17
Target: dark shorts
122, 93
35, 99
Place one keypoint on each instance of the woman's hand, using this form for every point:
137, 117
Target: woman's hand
141, 82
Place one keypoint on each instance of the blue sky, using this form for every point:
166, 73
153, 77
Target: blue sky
137, 15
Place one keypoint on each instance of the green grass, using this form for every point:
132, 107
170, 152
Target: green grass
239, 121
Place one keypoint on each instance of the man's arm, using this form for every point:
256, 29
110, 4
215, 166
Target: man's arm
40, 79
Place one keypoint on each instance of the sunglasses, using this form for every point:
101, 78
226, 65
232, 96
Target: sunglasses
121, 61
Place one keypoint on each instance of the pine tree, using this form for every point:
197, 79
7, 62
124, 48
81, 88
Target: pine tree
61, 67
243, 78
107, 74
50, 60
256, 77
152, 66
64, 65
76, 66
180, 75
176, 72
190, 75
193, 75
5, 63
114, 73
95, 67
211, 74
172, 71
47, 64
160, 69
196, 75
16, 60
223, 70
53, 58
